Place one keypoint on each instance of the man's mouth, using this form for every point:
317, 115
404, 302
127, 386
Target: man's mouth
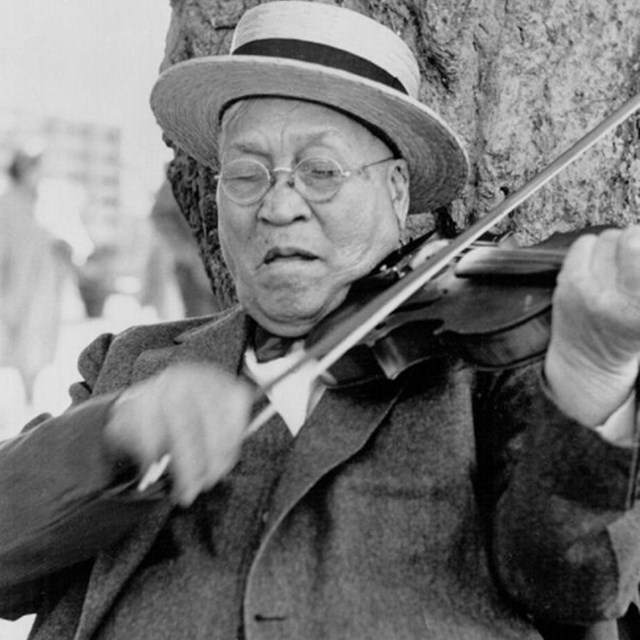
287, 253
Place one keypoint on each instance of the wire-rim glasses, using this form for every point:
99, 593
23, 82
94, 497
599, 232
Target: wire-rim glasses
316, 179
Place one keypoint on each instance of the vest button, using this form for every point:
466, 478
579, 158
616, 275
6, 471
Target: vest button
259, 617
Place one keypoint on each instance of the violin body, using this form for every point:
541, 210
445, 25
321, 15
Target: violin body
495, 315
488, 322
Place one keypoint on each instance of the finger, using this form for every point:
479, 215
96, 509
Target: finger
185, 471
131, 431
576, 267
207, 430
188, 460
579, 254
628, 261
226, 431
603, 266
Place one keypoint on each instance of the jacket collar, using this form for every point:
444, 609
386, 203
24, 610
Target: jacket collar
221, 340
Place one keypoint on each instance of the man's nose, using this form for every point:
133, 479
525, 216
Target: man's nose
282, 204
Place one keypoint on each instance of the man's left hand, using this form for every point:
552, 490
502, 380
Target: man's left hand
592, 360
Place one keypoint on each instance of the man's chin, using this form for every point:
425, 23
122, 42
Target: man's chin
287, 317
294, 309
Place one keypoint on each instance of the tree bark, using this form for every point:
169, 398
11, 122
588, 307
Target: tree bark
518, 80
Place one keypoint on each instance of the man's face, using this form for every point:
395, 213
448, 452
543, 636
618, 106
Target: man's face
293, 260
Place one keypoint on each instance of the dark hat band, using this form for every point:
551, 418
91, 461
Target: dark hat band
323, 54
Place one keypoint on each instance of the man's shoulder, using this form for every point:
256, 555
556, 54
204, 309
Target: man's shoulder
107, 362
118, 350
157, 334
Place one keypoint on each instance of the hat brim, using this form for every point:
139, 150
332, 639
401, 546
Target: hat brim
188, 98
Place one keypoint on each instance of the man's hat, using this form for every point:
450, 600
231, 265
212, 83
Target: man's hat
325, 54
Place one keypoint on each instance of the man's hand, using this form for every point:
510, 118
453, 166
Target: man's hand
592, 360
195, 413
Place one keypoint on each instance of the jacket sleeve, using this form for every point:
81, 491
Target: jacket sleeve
62, 497
565, 524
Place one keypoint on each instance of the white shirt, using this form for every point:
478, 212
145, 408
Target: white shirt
294, 397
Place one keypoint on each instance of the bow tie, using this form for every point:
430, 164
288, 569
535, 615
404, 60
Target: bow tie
268, 346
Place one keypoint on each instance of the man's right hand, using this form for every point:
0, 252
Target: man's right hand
197, 414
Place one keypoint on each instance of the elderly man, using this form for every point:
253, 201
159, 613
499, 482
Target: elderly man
448, 503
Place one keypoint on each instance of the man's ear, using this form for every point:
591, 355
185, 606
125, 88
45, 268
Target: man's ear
398, 177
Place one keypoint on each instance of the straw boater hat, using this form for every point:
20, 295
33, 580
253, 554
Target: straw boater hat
324, 54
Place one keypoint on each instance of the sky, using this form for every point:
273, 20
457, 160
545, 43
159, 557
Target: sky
94, 60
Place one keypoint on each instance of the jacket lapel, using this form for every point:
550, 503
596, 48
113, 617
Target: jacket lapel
220, 341
326, 441
113, 567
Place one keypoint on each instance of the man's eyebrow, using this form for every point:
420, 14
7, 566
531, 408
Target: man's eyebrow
246, 147
320, 136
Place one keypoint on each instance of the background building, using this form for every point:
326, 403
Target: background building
84, 155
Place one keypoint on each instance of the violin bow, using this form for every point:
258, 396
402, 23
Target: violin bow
329, 349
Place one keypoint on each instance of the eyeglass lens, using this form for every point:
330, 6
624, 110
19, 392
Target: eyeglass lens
246, 181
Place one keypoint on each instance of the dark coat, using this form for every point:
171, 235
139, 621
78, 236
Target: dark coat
376, 528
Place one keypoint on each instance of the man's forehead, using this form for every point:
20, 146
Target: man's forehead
248, 120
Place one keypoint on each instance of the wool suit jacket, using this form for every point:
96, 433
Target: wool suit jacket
448, 504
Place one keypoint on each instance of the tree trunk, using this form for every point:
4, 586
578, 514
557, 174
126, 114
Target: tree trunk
518, 80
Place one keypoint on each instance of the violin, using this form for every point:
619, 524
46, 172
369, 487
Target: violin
372, 319
492, 308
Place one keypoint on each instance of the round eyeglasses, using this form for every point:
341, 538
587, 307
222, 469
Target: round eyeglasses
316, 179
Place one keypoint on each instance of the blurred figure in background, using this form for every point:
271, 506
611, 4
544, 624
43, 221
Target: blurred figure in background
34, 266
97, 279
174, 267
